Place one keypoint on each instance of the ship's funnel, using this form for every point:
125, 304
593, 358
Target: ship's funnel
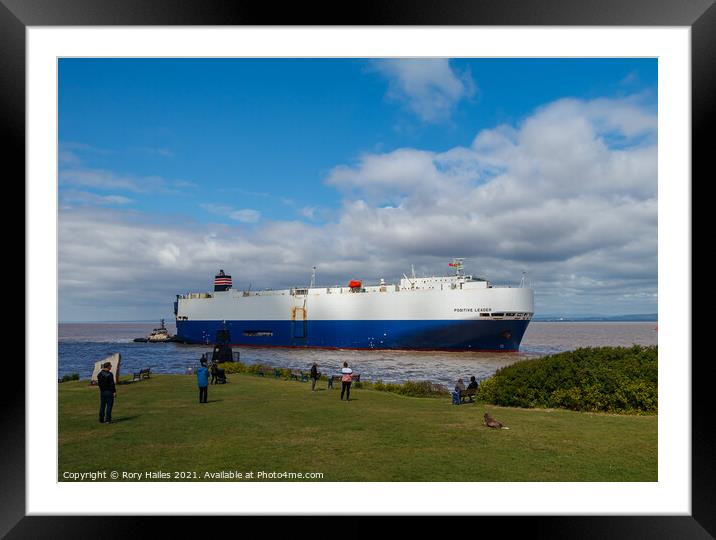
222, 282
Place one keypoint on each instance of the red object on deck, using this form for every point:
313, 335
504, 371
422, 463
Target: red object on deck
354, 284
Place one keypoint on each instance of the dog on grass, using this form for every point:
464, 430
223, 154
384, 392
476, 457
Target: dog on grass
491, 422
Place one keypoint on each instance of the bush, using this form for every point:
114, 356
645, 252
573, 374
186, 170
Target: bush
412, 388
606, 379
72, 377
253, 369
233, 367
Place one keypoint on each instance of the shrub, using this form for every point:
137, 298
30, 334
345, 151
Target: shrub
233, 367
71, 377
254, 369
607, 379
412, 388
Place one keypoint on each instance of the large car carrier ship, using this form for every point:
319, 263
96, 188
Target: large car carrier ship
456, 312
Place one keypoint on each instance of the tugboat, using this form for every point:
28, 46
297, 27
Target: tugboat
158, 335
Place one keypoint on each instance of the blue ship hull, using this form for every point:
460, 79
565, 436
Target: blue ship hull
466, 335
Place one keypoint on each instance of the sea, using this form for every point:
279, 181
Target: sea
80, 345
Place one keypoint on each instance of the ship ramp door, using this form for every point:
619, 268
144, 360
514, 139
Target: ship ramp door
299, 323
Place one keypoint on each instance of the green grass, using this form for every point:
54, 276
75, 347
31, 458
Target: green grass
264, 424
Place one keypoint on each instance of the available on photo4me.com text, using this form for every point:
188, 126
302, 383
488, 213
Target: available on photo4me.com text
190, 475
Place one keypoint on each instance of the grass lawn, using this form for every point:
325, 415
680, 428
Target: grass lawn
264, 424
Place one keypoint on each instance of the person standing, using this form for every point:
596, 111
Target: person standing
202, 378
346, 379
314, 376
107, 393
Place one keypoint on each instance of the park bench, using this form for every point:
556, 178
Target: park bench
338, 378
299, 376
267, 372
141, 374
468, 393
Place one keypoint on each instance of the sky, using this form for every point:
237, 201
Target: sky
171, 169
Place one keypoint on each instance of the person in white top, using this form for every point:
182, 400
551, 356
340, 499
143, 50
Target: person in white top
346, 380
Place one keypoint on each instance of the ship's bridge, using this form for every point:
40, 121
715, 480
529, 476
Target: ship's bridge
443, 282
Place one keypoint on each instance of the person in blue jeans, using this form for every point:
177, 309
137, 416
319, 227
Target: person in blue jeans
202, 378
107, 393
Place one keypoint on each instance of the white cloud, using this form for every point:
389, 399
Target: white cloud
570, 195
245, 215
84, 197
108, 180
308, 212
159, 151
67, 157
429, 87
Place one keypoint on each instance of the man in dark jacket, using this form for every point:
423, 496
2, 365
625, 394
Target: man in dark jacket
107, 393
314, 376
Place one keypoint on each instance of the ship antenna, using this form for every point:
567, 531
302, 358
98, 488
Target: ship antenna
522, 281
457, 265
313, 277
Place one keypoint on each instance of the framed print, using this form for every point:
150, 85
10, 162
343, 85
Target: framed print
112, 103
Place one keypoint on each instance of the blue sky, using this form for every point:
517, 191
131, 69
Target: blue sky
164, 158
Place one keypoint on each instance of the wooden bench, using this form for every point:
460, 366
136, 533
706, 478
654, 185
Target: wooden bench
267, 372
299, 376
468, 393
338, 378
141, 374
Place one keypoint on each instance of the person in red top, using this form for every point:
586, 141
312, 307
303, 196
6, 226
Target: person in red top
346, 380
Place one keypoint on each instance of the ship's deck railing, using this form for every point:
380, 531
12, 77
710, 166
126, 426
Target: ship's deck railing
387, 288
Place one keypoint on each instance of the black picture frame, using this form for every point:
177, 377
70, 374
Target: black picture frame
699, 15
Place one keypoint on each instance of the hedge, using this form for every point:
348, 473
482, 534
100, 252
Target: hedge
606, 379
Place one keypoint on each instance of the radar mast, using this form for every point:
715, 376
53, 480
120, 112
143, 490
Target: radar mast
457, 265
